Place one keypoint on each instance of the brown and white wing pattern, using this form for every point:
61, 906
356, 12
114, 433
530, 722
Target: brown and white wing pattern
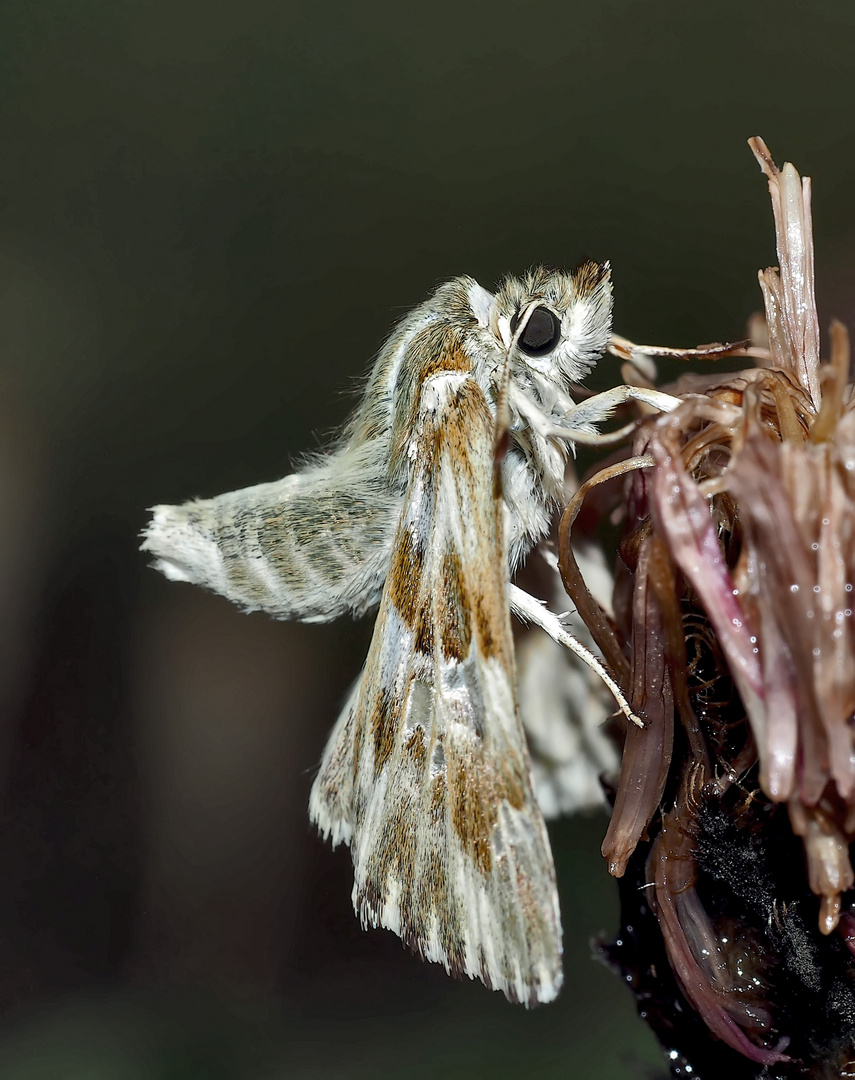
427, 774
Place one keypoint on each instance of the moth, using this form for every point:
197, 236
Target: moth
442, 482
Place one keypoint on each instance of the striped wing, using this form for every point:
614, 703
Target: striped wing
427, 774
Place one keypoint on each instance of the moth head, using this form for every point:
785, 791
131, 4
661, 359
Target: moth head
556, 321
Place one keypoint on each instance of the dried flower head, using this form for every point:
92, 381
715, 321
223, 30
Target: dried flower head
733, 614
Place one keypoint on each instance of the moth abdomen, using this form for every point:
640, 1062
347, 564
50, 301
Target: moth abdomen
313, 546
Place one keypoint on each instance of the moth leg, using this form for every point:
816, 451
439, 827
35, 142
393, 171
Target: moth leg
530, 609
576, 421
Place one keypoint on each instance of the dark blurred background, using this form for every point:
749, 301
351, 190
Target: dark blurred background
210, 216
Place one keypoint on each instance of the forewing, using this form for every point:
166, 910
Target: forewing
427, 773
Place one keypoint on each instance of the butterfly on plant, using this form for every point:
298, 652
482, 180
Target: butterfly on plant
445, 477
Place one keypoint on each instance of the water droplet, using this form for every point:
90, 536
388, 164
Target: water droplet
814, 547
817, 652
816, 588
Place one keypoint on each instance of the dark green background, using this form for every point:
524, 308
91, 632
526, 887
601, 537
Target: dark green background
210, 216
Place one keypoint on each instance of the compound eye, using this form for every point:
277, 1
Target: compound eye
542, 332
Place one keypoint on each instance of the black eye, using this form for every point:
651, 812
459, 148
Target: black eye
542, 332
